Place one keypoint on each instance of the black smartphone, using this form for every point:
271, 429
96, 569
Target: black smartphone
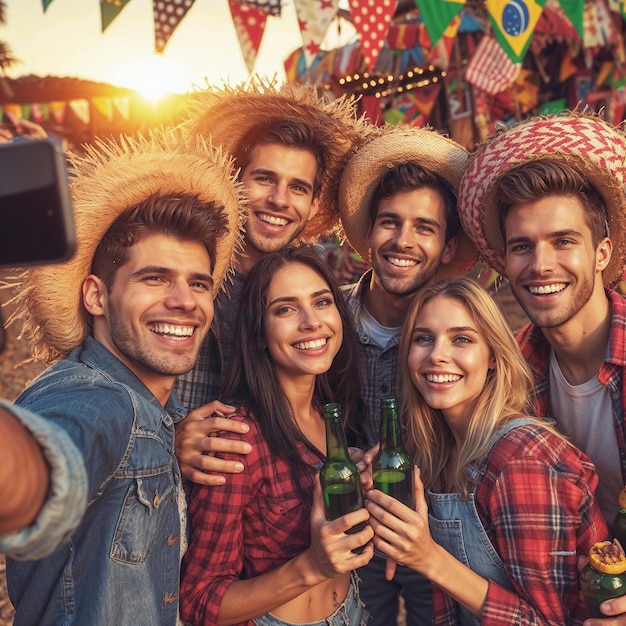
36, 219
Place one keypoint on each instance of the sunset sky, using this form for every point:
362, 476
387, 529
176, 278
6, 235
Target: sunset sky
66, 41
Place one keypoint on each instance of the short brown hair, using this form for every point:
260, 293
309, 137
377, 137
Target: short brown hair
539, 179
180, 215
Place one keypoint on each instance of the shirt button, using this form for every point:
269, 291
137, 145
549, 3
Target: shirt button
615, 395
172, 541
384, 388
170, 598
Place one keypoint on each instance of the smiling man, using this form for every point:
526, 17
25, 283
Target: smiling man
157, 223
544, 202
397, 203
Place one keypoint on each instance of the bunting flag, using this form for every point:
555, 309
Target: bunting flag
109, 10
168, 14
440, 54
314, 18
46, 4
489, 69
575, 10
104, 106
269, 7
437, 15
413, 107
371, 19
81, 109
250, 25
513, 24
57, 110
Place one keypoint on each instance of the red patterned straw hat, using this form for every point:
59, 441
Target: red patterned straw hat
392, 146
585, 141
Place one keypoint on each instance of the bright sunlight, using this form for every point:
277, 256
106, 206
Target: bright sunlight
154, 76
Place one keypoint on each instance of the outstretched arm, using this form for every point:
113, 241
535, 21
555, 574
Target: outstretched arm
24, 475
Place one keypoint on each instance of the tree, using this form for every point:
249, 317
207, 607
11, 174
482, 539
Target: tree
7, 60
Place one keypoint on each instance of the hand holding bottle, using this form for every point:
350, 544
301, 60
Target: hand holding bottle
401, 532
332, 547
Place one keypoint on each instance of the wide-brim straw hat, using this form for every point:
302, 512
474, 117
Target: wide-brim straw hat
585, 141
109, 179
393, 146
232, 114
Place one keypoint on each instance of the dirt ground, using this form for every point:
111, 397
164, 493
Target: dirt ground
13, 378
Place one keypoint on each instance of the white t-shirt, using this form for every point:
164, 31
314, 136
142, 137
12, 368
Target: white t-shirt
585, 415
379, 334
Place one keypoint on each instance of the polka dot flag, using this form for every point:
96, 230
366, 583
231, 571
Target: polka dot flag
372, 18
167, 16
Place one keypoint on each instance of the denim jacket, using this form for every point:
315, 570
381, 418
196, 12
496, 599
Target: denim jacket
121, 562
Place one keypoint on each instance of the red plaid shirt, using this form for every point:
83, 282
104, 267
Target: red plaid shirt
252, 524
536, 504
612, 372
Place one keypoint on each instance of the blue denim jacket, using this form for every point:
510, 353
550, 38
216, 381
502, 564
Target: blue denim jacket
121, 563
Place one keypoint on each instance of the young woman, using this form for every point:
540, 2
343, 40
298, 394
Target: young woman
510, 502
261, 550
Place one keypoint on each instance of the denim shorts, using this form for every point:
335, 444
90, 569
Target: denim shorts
349, 613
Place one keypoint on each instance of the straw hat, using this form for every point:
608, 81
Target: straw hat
393, 146
585, 141
108, 180
233, 114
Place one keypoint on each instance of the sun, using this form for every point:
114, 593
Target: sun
154, 76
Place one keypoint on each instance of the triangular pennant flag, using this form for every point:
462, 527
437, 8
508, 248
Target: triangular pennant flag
372, 18
574, 9
81, 109
122, 104
12, 111
314, 18
57, 110
36, 112
440, 54
513, 24
168, 14
250, 26
269, 7
46, 4
104, 106
109, 10
437, 15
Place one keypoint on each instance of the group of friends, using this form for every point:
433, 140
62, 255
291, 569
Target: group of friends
197, 333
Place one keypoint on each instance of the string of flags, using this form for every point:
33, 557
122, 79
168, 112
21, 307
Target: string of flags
512, 21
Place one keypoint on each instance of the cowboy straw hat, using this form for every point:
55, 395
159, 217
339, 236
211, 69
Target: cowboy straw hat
232, 115
110, 179
584, 141
393, 146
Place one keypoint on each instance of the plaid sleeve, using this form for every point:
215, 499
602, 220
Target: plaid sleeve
542, 516
215, 556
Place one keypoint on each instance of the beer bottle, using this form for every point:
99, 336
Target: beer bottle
339, 476
619, 523
392, 469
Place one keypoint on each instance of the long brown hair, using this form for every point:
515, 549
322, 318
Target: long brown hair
252, 382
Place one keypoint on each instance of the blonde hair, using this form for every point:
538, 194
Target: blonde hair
505, 396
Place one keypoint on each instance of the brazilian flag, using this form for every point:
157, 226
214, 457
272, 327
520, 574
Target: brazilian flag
437, 15
513, 24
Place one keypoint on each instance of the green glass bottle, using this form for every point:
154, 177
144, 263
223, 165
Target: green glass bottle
392, 469
339, 476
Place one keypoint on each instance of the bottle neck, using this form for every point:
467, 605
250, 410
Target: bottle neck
390, 436
336, 446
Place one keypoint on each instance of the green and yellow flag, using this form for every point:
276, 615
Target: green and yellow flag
574, 9
513, 24
437, 15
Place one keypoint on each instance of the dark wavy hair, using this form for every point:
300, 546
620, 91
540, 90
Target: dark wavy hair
251, 380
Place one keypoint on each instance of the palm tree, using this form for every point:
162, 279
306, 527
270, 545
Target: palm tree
7, 60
